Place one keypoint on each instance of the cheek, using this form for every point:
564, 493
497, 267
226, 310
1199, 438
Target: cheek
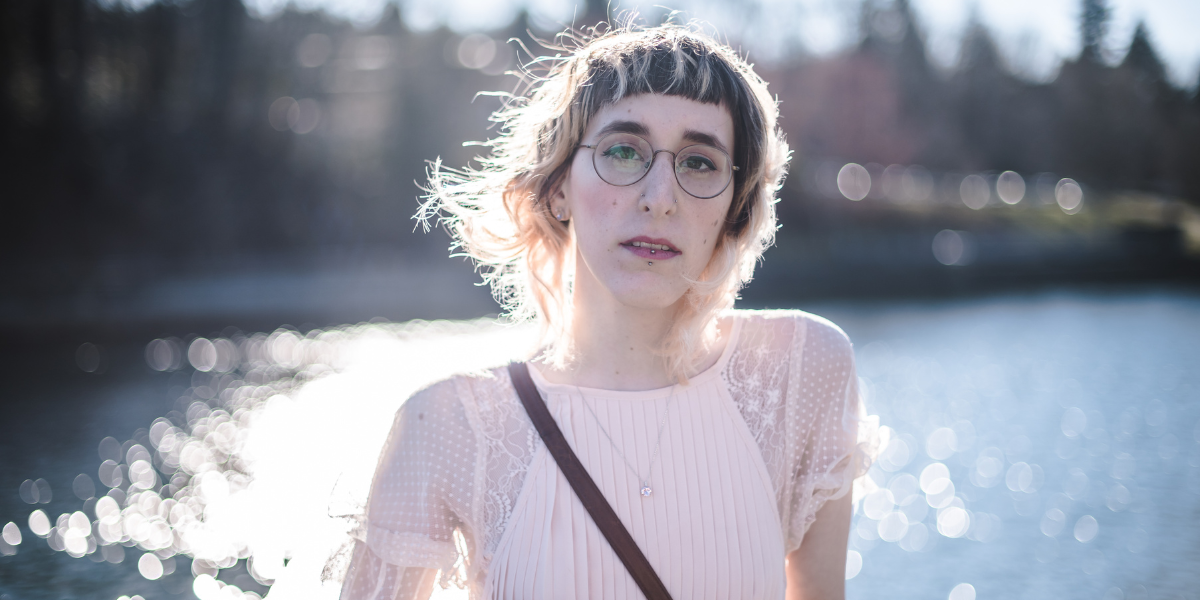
714, 223
708, 226
589, 197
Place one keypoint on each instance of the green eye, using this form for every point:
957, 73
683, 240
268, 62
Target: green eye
622, 152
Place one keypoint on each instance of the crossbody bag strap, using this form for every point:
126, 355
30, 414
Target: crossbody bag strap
593, 500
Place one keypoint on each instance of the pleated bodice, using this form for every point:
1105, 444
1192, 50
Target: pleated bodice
710, 527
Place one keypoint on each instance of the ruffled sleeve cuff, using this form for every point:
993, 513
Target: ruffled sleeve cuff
839, 440
834, 483
410, 550
391, 566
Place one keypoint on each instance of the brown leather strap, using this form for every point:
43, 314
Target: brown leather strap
593, 500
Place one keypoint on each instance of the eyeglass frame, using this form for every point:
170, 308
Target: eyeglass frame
654, 155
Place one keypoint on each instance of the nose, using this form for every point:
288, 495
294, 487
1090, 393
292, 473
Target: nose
660, 189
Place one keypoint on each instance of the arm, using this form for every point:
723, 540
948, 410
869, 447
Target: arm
410, 524
824, 391
817, 569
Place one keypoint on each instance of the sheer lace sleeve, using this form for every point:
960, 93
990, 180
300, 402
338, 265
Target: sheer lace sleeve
823, 417
792, 377
420, 496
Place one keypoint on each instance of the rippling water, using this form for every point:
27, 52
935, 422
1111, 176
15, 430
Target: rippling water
1058, 434
1036, 447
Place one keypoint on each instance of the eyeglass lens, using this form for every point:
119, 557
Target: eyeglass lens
623, 159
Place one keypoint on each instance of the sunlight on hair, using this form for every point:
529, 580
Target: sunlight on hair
499, 213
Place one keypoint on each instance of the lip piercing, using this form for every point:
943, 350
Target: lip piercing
652, 252
651, 263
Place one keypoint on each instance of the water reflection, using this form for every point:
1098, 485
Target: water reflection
232, 479
1006, 446
1037, 439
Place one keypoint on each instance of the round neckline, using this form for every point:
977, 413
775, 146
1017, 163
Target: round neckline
547, 387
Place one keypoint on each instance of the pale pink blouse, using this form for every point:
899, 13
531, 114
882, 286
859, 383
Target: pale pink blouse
751, 449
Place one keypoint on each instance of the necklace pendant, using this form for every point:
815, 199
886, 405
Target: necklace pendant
646, 491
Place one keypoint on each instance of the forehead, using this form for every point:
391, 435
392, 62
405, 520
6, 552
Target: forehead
666, 119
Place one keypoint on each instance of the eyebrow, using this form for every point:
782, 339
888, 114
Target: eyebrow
623, 127
699, 137
636, 128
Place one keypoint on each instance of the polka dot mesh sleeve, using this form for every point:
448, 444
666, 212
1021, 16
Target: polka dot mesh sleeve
420, 496
792, 378
824, 411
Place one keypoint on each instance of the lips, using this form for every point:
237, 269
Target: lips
651, 248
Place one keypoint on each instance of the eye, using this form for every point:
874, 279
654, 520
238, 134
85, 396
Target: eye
696, 162
622, 152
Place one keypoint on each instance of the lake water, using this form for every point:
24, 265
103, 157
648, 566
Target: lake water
1037, 446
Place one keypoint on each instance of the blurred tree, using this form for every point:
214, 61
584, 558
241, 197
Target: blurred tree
1143, 60
984, 93
1094, 19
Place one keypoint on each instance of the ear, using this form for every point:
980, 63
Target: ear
559, 202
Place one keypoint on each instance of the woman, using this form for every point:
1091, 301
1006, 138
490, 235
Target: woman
623, 207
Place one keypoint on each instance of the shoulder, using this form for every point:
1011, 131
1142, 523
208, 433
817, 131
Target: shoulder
823, 336
811, 331
461, 394
444, 414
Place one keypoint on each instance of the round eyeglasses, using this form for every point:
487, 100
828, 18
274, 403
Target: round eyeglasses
622, 159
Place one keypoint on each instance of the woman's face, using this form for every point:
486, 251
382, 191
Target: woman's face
640, 243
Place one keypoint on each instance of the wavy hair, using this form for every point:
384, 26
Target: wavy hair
499, 213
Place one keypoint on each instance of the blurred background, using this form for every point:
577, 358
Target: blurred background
209, 206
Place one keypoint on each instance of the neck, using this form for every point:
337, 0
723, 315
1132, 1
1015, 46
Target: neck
614, 345
619, 349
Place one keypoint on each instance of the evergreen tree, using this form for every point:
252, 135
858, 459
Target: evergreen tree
1093, 28
1142, 58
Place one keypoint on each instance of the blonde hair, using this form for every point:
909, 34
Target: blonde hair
499, 214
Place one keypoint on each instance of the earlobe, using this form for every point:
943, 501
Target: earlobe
558, 201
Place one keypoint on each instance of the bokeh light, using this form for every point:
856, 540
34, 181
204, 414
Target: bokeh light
11, 534
854, 563
962, 591
10, 539
1086, 528
281, 116
150, 566
83, 487
476, 51
39, 523
975, 192
1010, 187
36, 492
1069, 196
854, 182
